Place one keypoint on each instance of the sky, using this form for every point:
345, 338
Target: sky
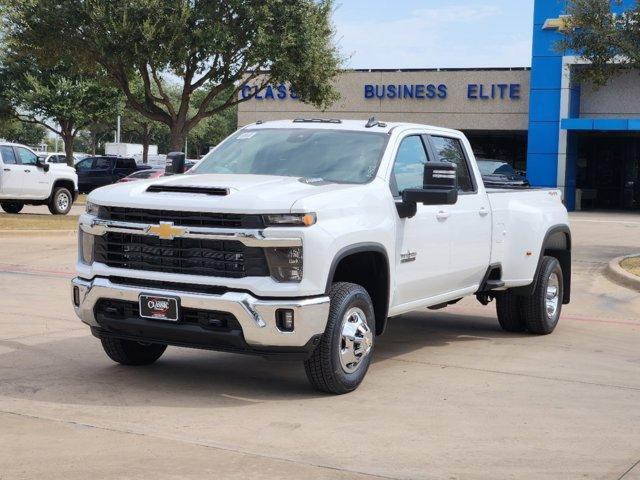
434, 34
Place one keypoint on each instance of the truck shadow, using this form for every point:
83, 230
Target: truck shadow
76, 370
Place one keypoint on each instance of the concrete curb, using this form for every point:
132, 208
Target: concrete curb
619, 275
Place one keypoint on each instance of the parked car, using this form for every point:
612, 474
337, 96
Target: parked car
498, 173
95, 172
150, 174
26, 180
56, 158
302, 238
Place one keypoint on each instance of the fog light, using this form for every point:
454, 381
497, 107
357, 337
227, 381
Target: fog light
76, 296
284, 320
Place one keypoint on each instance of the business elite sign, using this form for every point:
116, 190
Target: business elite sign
420, 91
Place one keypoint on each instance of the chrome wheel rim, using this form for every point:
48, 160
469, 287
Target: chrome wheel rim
356, 340
62, 202
553, 295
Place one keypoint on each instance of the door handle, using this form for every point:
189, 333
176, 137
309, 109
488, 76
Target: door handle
442, 215
7, 169
27, 171
483, 212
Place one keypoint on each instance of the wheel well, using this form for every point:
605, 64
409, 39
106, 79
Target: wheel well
369, 269
68, 184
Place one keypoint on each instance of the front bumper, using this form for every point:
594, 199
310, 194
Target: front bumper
256, 317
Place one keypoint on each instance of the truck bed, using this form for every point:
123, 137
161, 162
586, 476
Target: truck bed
520, 221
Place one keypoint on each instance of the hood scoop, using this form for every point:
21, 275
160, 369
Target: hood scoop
215, 191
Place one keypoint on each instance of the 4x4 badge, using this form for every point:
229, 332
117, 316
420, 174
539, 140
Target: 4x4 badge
166, 230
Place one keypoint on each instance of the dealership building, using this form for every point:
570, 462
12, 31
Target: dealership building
582, 139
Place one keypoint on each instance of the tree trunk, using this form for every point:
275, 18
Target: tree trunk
68, 139
178, 137
146, 138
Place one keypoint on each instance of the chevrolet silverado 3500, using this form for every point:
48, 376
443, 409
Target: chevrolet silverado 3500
301, 238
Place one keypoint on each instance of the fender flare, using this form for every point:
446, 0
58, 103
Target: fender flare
528, 290
360, 248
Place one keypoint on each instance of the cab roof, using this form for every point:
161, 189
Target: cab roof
339, 124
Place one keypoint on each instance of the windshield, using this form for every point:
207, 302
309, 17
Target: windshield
495, 167
332, 155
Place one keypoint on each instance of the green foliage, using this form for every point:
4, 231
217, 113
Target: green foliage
609, 42
54, 95
15, 131
212, 47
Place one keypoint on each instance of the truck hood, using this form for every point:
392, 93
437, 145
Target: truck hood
246, 193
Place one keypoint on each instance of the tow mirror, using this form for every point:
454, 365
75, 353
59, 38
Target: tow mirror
440, 187
175, 163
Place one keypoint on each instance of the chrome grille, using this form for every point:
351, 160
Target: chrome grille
217, 258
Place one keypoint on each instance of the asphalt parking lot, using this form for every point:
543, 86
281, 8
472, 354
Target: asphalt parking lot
449, 395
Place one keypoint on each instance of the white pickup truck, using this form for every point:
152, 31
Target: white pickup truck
27, 180
302, 238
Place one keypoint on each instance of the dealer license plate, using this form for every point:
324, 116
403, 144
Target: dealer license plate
159, 308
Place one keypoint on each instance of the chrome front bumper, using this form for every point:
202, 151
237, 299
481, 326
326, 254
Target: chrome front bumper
256, 317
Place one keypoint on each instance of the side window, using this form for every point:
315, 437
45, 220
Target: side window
408, 170
125, 163
450, 150
84, 165
8, 157
27, 157
102, 164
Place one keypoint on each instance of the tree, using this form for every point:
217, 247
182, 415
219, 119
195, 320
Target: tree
141, 129
93, 135
55, 96
13, 130
216, 47
609, 42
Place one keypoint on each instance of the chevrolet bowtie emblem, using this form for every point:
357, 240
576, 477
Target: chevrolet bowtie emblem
561, 23
166, 230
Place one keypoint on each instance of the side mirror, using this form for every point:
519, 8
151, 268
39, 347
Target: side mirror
440, 187
175, 163
44, 166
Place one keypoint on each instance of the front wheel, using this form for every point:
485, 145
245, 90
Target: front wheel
60, 202
12, 207
128, 352
341, 360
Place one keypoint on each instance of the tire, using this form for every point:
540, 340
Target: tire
61, 201
127, 352
12, 207
351, 316
547, 296
510, 315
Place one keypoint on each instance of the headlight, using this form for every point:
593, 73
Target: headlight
86, 247
285, 264
290, 220
92, 209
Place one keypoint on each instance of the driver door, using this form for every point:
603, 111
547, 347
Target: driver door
11, 174
37, 182
422, 257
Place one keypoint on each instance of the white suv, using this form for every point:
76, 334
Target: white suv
24, 179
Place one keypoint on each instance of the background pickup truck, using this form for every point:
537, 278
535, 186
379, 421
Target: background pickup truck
302, 238
95, 172
24, 179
